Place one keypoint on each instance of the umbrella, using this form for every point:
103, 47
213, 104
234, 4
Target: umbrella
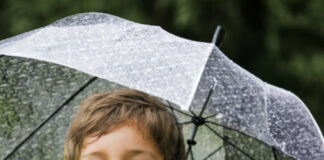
225, 111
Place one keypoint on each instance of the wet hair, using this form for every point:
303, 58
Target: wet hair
102, 112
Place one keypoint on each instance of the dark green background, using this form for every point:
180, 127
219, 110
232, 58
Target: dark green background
280, 41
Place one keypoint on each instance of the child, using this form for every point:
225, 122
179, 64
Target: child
124, 125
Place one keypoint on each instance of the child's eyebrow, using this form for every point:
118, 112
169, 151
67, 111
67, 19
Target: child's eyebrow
97, 154
132, 153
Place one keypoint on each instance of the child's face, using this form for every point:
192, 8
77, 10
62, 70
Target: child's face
123, 143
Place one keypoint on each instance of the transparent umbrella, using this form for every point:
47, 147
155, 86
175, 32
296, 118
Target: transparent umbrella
225, 111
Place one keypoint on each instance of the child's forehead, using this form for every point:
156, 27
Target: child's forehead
128, 133
124, 140
143, 132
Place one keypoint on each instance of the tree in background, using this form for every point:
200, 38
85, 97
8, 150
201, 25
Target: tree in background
280, 41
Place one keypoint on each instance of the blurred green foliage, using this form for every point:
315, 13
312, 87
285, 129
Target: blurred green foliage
280, 41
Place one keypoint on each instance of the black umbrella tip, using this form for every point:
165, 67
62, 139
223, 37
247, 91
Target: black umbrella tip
218, 36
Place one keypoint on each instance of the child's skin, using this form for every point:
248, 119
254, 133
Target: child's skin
122, 143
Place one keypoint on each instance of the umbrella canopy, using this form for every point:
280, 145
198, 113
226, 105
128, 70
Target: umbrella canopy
38, 95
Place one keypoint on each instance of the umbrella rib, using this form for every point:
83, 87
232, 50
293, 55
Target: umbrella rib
184, 113
274, 153
210, 116
188, 151
175, 116
192, 155
212, 153
228, 142
49, 118
192, 141
172, 110
184, 123
192, 112
207, 99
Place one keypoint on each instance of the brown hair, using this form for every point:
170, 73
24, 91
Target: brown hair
101, 112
